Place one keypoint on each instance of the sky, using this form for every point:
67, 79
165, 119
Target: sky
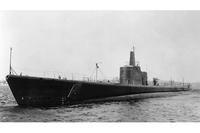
69, 43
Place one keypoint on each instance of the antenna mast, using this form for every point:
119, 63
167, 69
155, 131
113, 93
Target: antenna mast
133, 48
10, 68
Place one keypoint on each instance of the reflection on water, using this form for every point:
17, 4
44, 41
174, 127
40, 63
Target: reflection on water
157, 107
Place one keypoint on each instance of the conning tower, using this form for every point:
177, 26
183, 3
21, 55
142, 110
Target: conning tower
132, 74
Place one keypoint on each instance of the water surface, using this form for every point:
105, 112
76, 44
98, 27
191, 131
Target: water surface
157, 107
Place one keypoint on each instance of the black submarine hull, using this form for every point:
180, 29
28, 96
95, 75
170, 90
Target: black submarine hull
38, 91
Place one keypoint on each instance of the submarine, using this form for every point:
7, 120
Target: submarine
48, 92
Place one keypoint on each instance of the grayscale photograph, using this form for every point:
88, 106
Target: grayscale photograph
100, 66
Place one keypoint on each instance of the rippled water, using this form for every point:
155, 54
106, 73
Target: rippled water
157, 107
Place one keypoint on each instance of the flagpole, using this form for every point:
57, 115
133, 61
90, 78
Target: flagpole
10, 61
96, 71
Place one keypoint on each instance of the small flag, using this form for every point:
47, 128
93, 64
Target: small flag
97, 65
